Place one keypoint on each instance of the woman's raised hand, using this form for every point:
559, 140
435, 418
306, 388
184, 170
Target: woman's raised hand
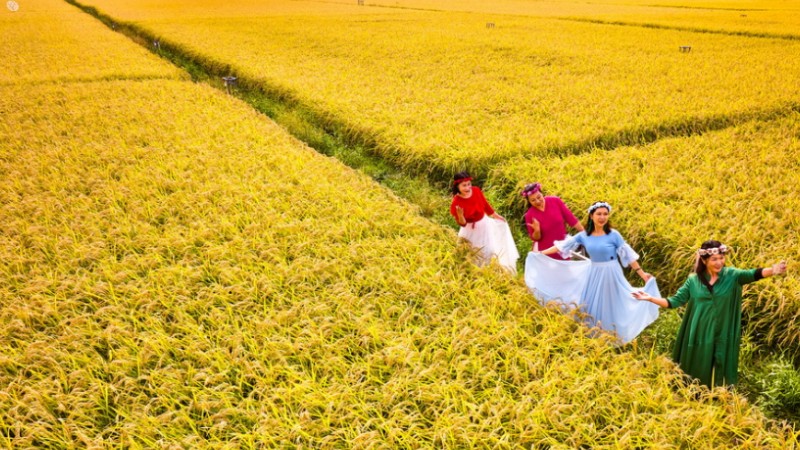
779, 268
535, 226
642, 295
646, 276
460, 216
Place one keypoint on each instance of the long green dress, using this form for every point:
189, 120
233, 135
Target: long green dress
711, 331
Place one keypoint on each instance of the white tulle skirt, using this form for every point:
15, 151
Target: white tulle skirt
494, 240
598, 289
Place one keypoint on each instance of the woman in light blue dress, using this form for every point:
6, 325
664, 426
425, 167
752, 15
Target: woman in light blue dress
605, 294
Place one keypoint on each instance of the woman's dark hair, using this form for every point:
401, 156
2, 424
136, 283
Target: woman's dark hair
700, 267
458, 176
590, 223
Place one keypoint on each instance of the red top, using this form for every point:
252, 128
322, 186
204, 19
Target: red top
551, 222
475, 207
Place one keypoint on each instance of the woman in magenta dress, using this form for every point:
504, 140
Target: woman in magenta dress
546, 219
481, 225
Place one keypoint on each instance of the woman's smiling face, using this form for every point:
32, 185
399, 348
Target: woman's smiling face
465, 187
600, 217
714, 263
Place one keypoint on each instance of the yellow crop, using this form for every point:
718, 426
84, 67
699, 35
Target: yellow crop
770, 18
50, 40
193, 276
737, 185
177, 271
439, 91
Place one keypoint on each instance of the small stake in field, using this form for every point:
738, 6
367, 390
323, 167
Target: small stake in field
157, 44
229, 82
685, 48
489, 24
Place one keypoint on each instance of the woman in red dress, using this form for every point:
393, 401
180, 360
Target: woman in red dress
481, 225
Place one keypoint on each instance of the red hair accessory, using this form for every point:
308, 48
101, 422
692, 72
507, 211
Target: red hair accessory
461, 180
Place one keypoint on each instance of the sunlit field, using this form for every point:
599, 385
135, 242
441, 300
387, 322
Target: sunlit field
52, 41
439, 91
177, 271
193, 276
753, 18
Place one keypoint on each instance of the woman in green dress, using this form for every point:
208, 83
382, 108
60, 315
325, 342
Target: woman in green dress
708, 341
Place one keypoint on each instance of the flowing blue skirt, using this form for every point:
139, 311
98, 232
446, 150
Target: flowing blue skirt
599, 289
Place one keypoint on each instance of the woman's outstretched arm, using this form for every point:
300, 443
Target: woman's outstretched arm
641, 295
776, 269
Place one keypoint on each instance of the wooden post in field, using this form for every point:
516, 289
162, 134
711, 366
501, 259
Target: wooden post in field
229, 82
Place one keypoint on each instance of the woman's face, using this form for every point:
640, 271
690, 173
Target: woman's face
536, 200
600, 217
714, 263
465, 187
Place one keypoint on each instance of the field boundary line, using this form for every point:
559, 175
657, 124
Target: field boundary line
740, 33
87, 80
623, 23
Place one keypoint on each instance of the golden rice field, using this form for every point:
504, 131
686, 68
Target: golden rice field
755, 18
52, 41
460, 75
195, 277
178, 272
435, 92
736, 185
758, 17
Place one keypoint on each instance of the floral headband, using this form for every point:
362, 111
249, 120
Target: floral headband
531, 189
596, 205
722, 249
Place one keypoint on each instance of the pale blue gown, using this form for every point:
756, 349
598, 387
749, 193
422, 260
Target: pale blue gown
598, 288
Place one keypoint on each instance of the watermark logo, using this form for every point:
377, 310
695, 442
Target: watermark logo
12, 6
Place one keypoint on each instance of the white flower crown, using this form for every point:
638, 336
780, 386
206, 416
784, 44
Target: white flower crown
596, 205
723, 249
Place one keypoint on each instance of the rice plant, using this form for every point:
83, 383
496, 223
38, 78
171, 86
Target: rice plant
435, 92
177, 271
